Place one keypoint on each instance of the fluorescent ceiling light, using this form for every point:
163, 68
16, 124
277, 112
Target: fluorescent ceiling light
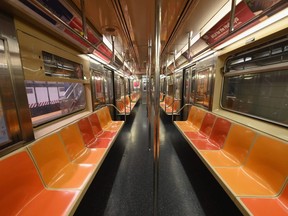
109, 45
97, 59
204, 55
107, 42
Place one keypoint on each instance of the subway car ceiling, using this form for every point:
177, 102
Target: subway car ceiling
91, 43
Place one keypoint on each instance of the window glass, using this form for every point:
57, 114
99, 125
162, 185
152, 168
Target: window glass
51, 100
263, 95
119, 91
98, 85
109, 87
178, 79
193, 87
60, 67
169, 87
3, 128
203, 86
119, 86
255, 82
187, 85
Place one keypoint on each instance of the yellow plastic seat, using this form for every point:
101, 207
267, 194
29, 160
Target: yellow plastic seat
235, 149
106, 121
55, 166
76, 149
194, 123
183, 124
263, 174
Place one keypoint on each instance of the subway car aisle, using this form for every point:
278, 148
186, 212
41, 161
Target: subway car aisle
124, 184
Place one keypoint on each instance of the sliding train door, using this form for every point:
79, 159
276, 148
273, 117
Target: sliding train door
15, 121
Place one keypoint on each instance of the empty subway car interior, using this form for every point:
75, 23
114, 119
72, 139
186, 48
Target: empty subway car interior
164, 107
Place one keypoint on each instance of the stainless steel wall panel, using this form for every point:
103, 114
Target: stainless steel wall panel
12, 88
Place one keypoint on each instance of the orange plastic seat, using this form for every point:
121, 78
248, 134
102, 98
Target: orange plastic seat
235, 149
135, 97
260, 206
205, 129
123, 106
175, 106
129, 103
88, 136
120, 106
196, 122
191, 114
263, 174
168, 100
55, 167
106, 122
76, 149
113, 124
217, 137
97, 129
22, 192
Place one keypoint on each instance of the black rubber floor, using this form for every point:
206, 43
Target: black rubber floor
124, 183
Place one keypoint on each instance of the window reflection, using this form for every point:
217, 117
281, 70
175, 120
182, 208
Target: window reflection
263, 95
51, 100
203, 87
3, 127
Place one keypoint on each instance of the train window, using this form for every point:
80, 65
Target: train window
178, 79
193, 86
102, 85
29, 91
187, 85
258, 87
127, 86
119, 91
98, 88
169, 87
3, 127
51, 100
57, 66
203, 86
108, 84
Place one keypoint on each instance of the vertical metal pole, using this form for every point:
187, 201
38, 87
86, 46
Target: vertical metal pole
156, 103
232, 16
83, 14
149, 101
114, 93
124, 99
113, 47
174, 58
189, 45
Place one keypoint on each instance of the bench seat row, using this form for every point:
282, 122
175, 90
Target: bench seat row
252, 167
125, 105
169, 104
51, 175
